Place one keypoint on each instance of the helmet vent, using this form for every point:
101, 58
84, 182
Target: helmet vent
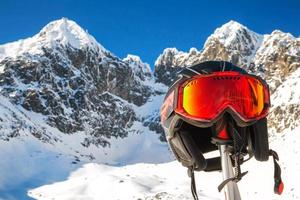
218, 78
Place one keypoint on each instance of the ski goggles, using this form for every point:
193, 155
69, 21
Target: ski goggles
203, 98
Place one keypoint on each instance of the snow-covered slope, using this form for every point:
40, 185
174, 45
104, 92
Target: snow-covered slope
170, 180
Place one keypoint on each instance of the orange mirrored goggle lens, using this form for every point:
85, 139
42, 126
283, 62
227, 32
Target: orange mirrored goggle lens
205, 97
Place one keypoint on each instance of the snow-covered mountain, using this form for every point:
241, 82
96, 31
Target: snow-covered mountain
77, 86
63, 94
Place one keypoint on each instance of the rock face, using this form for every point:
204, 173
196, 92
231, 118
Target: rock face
279, 55
64, 78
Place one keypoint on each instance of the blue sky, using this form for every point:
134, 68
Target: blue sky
146, 27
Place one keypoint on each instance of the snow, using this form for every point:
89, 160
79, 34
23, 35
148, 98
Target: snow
170, 180
227, 32
68, 32
29, 163
160, 59
24, 159
140, 181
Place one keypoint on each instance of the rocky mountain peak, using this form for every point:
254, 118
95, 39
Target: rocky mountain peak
68, 32
232, 42
166, 57
132, 59
171, 61
58, 33
229, 31
139, 68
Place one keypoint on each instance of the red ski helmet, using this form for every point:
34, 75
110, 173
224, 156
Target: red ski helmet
200, 98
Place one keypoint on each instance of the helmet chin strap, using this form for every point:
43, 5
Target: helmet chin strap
191, 174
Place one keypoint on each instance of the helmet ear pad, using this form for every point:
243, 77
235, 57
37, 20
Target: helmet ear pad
186, 151
258, 141
197, 157
189, 143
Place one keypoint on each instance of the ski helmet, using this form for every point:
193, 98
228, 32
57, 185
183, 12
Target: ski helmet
200, 103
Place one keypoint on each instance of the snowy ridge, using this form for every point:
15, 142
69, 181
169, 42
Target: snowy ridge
267, 55
74, 83
133, 59
233, 36
60, 32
